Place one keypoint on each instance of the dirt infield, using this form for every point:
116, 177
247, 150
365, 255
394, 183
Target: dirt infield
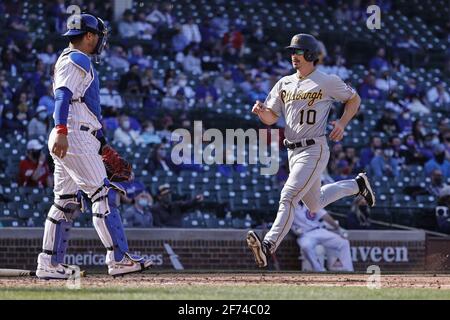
149, 280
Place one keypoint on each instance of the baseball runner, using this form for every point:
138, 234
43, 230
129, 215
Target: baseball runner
84, 163
304, 100
311, 231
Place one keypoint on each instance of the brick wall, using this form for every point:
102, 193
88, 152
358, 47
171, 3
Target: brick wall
214, 249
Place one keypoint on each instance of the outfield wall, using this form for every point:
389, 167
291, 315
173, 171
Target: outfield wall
196, 249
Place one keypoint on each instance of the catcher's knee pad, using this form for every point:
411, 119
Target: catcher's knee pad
58, 224
107, 220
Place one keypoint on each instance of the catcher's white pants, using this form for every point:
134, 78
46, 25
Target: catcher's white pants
304, 183
82, 168
331, 241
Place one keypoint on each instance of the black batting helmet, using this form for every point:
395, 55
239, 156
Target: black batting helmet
308, 44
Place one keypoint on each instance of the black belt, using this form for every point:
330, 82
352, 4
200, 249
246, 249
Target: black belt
294, 145
80, 99
84, 128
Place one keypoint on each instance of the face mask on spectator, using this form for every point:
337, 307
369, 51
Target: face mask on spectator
406, 116
126, 124
410, 142
435, 141
143, 202
9, 116
182, 83
42, 116
388, 152
150, 129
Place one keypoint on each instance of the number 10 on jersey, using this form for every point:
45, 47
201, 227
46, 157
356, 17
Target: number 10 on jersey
310, 116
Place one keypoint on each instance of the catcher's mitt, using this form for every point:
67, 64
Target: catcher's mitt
117, 168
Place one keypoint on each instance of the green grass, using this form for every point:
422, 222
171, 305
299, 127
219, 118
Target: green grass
285, 292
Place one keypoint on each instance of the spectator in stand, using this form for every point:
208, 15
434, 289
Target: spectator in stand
352, 159
205, 92
5, 89
384, 164
168, 19
23, 106
58, 13
336, 154
109, 97
437, 183
385, 82
182, 84
438, 162
379, 62
48, 100
140, 214
118, 59
415, 105
438, 97
160, 159
10, 63
34, 170
408, 44
192, 63
388, 123
145, 30
168, 213
257, 92
10, 122
223, 83
343, 13
130, 86
127, 26
234, 39
49, 56
221, 24
124, 133
419, 132
191, 32
149, 135
368, 90
179, 40
137, 57
404, 122
156, 17
394, 103
38, 125
410, 152
446, 142
411, 88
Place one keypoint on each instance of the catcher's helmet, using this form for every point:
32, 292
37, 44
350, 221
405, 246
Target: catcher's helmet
308, 44
83, 23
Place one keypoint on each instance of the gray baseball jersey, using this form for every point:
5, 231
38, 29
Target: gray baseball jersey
305, 103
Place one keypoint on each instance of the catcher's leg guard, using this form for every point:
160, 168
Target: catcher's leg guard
107, 221
58, 225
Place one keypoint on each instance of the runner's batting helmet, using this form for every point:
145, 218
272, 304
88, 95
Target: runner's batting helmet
83, 23
308, 44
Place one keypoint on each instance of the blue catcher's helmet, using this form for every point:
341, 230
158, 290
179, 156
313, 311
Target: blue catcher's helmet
83, 23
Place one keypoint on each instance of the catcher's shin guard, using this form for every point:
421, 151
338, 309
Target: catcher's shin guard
58, 225
107, 221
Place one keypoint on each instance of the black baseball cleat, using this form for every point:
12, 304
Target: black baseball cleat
365, 189
259, 249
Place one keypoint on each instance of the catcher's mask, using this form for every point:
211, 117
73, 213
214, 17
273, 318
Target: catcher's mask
81, 24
